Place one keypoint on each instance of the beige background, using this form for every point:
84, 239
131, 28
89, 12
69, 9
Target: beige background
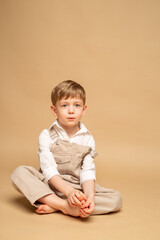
111, 48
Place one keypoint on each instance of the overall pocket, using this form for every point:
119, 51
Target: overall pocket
63, 164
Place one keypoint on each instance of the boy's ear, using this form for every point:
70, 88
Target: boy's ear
53, 110
84, 109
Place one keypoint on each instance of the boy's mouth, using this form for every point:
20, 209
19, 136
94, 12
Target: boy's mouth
70, 118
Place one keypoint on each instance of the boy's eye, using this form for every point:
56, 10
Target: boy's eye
64, 105
77, 105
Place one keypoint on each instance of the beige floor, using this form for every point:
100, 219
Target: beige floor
138, 219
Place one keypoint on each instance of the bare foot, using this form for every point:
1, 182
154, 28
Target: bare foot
71, 210
44, 209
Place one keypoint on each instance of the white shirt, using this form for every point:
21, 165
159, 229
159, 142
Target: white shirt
47, 161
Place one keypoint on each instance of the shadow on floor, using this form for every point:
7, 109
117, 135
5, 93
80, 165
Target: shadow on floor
22, 203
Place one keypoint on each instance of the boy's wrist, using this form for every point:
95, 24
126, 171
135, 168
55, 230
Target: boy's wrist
69, 191
90, 196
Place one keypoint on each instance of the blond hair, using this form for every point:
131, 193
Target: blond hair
67, 89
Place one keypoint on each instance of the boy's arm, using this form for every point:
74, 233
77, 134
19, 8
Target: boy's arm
57, 182
87, 171
74, 196
88, 206
88, 188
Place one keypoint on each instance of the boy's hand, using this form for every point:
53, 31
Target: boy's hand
77, 198
87, 208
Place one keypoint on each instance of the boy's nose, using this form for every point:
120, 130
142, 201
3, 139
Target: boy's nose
71, 109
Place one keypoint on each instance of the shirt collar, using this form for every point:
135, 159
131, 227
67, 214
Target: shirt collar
83, 129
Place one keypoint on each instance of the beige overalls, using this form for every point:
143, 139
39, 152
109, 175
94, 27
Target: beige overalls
69, 158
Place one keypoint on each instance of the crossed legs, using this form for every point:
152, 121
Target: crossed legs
52, 203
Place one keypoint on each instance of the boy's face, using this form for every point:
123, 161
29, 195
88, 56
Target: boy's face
69, 111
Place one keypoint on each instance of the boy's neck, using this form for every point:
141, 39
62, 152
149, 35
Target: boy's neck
71, 130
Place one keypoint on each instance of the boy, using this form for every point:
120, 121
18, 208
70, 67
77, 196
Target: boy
66, 181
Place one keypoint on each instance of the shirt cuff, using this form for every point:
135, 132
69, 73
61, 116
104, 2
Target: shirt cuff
87, 175
50, 172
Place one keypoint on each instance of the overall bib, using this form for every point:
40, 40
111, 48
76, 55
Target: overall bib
69, 158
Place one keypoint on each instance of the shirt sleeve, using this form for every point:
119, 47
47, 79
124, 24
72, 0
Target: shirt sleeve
88, 171
47, 162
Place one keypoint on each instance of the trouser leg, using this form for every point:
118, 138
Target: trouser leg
107, 200
31, 183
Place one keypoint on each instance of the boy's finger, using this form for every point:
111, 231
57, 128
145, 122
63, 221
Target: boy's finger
83, 196
75, 199
83, 202
71, 202
87, 210
80, 196
83, 214
77, 195
86, 204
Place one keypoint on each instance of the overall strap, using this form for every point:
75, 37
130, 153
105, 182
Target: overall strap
52, 132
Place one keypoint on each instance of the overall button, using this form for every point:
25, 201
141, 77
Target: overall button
57, 142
